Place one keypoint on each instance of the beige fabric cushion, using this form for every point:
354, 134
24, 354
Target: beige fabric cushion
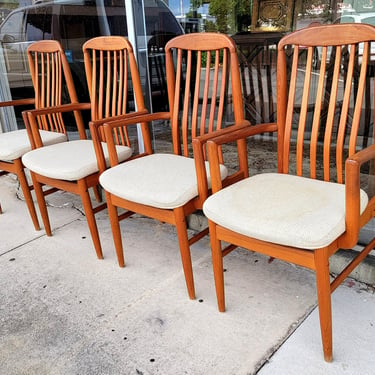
69, 161
158, 180
284, 209
16, 143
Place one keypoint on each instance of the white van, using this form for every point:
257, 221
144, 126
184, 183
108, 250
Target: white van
72, 22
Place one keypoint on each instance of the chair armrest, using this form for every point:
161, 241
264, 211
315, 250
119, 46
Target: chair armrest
143, 120
352, 196
202, 139
101, 122
236, 133
33, 125
97, 134
60, 109
17, 102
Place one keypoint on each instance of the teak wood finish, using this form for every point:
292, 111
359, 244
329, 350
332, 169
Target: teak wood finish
113, 81
50, 71
16, 167
338, 149
105, 102
190, 114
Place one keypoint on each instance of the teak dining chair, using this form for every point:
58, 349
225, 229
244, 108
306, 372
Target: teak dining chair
169, 187
73, 166
14, 144
312, 207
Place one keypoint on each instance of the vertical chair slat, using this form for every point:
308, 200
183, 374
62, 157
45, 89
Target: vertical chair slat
185, 117
125, 74
358, 103
331, 114
206, 89
223, 97
317, 113
290, 109
123, 83
107, 98
60, 74
303, 112
47, 92
194, 116
114, 89
176, 99
44, 99
340, 141
211, 120
93, 86
101, 85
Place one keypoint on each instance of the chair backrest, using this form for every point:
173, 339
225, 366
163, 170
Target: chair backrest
53, 84
203, 78
112, 77
114, 87
326, 140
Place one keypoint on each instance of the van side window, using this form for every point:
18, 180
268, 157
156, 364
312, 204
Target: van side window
38, 24
12, 30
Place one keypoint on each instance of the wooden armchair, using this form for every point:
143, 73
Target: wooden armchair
14, 144
169, 187
312, 207
74, 166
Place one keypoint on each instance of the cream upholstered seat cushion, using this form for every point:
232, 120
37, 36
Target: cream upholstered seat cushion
16, 143
158, 180
69, 161
284, 209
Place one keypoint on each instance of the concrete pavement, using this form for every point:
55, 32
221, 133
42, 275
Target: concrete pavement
62, 311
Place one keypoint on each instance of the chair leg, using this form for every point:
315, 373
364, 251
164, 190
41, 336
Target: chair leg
116, 232
324, 301
90, 217
185, 250
97, 194
217, 263
42, 204
27, 193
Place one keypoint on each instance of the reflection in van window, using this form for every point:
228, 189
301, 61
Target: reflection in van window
12, 30
38, 25
72, 22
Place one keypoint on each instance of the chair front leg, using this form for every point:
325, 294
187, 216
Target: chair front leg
116, 231
90, 217
217, 263
323, 285
26, 192
41, 203
185, 250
